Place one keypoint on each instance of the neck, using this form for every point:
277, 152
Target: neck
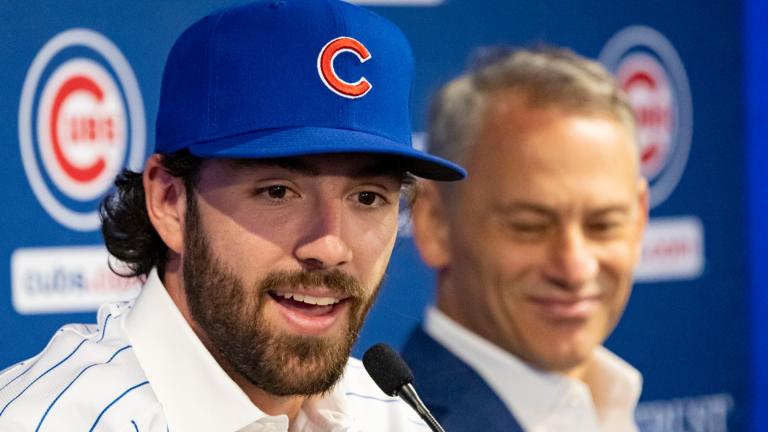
454, 306
579, 372
266, 402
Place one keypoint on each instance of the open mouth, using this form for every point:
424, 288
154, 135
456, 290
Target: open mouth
309, 314
310, 305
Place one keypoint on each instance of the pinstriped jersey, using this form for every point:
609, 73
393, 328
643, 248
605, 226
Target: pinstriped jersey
141, 368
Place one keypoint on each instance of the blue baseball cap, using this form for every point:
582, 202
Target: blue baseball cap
286, 78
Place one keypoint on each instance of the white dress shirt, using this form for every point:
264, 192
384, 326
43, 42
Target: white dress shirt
541, 401
141, 368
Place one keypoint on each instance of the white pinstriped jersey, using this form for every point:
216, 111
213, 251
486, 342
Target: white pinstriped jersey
142, 369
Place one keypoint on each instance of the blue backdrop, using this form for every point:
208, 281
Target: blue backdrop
756, 95
686, 329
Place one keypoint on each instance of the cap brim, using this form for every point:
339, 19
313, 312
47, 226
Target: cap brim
304, 141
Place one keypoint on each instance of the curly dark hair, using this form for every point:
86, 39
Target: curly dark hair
128, 232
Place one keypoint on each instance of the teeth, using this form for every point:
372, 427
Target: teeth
319, 301
324, 301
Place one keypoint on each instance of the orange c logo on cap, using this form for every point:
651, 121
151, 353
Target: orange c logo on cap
328, 73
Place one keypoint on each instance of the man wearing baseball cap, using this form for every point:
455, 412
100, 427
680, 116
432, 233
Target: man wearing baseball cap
262, 226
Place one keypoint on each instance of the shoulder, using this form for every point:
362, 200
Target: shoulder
420, 347
83, 370
431, 362
374, 410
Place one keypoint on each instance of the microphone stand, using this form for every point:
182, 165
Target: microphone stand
409, 395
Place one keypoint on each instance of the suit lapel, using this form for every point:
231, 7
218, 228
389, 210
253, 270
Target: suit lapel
457, 396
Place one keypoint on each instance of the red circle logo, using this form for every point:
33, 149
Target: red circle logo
646, 84
81, 121
651, 73
81, 124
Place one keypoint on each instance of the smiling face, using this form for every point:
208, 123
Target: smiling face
282, 261
536, 250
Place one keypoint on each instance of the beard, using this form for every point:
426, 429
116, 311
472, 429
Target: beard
231, 317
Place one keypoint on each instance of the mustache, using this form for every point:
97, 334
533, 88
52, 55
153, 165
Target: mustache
334, 280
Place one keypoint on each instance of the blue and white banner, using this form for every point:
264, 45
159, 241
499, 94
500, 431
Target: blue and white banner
80, 87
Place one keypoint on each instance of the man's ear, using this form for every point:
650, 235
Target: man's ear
430, 226
165, 197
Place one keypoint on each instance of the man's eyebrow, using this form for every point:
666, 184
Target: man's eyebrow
381, 168
386, 167
290, 164
615, 208
518, 207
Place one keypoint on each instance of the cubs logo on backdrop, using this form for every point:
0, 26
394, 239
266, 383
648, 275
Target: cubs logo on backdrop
649, 70
81, 121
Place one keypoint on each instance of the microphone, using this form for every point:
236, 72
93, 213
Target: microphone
394, 378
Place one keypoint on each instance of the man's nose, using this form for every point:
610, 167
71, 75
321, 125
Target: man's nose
324, 246
572, 261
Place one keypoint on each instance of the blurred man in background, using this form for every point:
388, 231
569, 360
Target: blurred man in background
262, 226
534, 253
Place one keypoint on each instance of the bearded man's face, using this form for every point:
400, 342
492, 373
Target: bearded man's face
283, 261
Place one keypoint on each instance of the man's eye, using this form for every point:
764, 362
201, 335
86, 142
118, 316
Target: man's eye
528, 227
602, 226
605, 227
367, 198
277, 192
274, 192
528, 231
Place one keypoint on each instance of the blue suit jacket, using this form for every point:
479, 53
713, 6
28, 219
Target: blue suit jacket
457, 396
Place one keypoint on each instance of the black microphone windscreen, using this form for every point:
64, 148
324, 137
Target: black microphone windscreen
386, 368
